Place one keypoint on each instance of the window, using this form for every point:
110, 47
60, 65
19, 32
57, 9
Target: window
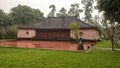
27, 32
81, 33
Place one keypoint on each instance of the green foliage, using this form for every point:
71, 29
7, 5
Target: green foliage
88, 8
110, 8
8, 32
62, 12
2, 33
2, 17
112, 13
11, 32
7, 29
75, 10
74, 26
53, 10
23, 14
36, 58
75, 30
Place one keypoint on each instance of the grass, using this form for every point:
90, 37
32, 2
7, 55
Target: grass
8, 39
37, 58
104, 44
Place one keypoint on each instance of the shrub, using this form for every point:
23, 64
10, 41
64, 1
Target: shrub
12, 32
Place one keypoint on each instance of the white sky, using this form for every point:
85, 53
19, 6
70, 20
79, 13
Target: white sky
42, 5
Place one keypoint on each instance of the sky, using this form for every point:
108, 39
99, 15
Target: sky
42, 5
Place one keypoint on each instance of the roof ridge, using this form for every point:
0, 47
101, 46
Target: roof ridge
86, 23
62, 17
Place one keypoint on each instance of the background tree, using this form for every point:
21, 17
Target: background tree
2, 18
23, 14
75, 31
38, 15
112, 15
88, 8
19, 15
53, 10
62, 12
6, 26
3, 24
75, 10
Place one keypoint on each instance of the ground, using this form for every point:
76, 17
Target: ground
12, 57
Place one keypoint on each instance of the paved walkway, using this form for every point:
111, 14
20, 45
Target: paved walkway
110, 48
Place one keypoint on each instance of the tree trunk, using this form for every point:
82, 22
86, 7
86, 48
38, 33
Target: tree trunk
112, 30
112, 42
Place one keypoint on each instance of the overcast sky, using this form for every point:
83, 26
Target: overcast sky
42, 5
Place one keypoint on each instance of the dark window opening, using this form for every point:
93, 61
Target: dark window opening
81, 33
27, 32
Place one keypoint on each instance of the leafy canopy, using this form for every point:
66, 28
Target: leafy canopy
111, 9
23, 14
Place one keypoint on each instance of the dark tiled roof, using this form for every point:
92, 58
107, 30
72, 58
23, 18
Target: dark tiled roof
58, 23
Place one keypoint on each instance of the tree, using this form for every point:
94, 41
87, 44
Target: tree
2, 18
112, 15
38, 15
75, 31
62, 12
23, 14
75, 10
2, 24
53, 10
88, 6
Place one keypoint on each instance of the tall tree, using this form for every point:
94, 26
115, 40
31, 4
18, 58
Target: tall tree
88, 8
2, 18
38, 15
52, 12
62, 12
112, 14
2, 24
23, 14
75, 10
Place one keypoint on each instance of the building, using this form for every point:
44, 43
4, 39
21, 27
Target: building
57, 28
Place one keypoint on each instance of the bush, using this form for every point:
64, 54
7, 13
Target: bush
2, 33
9, 32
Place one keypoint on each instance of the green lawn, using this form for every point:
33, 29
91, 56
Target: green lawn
104, 44
37, 58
